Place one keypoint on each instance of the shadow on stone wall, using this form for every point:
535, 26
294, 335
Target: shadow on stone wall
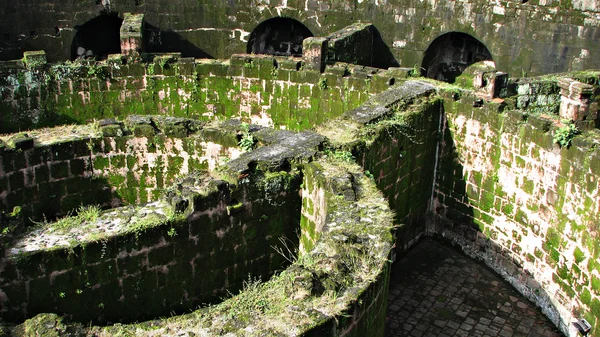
451, 206
168, 41
382, 55
278, 36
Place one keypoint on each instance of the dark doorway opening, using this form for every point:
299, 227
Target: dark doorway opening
97, 38
450, 54
278, 36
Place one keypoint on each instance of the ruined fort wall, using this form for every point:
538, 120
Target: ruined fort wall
532, 37
79, 166
401, 159
157, 265
262, 90
510, 196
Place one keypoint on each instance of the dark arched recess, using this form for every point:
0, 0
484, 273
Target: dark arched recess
97, 38
450, 54
278, 36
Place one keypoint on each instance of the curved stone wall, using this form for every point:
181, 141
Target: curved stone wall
135, 264
510, 195
533, 37
264, 90
336, 287
49, 173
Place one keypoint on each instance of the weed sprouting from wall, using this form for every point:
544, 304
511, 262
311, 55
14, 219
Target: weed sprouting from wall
83, 214
247, 140
565, 134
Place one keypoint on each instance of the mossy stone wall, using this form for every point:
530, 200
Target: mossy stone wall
262, 90
50, 179
394, 138
138, 169
507, 194
534, 37
53, 178
314, 207
173, 267
327, 192
401, 158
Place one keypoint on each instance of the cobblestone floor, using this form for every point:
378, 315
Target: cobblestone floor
436, 291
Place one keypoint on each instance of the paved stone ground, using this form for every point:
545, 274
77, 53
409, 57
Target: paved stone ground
436, 291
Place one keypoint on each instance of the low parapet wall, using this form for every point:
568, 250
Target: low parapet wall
49, 173
336, 287
270, 91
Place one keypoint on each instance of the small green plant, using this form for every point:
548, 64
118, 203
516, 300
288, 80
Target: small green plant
172, 232
150, 69
84, 213
415, 71
163, 62
369, 175
79, 291
88, 213
15, 211
323, 84
98, 71
247, 141
61, 294
249, 64
344, 156
564, 135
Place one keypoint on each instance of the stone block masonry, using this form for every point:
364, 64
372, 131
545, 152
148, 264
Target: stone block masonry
575, 102
110, 268
269, 91
139, 263
566, 31
132, 41
393, 137
507, 194
71, 166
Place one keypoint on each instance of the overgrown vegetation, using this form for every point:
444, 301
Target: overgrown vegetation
565, 134
247, 140
415, 71
340, 155
82, 214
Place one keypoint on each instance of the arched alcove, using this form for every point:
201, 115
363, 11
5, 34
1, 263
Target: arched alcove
450, 54
97, 38
278, 36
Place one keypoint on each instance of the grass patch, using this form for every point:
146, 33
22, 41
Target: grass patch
84, 214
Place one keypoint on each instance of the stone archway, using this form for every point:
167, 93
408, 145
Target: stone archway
278, 36
97, 38
450, 54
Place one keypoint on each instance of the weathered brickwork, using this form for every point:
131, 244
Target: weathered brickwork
263, 90
394, 138
510, 196
532, 37
174, 266
49, 179
143, 263
401, 159
53, 178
